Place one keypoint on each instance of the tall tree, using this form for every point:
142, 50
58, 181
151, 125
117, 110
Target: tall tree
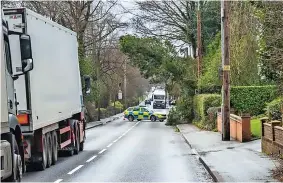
176, 20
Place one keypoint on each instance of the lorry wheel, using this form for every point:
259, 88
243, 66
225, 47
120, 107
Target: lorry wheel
70, 151
42, 165
49, 150
77, 140
17, 167
82, 143
81, 146
54, 148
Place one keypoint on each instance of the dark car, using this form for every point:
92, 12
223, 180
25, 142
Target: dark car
172, 102
158, 104
147, 102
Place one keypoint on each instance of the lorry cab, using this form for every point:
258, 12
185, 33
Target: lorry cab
159, 100
12, 155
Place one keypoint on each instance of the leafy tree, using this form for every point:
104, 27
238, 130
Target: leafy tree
271, 41
150, 55
176, 20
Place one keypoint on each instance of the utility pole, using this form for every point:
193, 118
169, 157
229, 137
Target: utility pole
125, 83
199, 40
226, 70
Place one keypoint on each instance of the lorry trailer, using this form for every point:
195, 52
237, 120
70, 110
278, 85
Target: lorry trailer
49, 98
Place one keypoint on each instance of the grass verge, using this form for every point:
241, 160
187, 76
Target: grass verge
255, 128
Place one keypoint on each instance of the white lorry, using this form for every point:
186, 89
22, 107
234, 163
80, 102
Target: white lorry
158, 97
49, 98
11, 147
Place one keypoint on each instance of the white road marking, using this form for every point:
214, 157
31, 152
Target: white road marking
90, 159
59, 180
123, 134
75, 169
115, 140
102, 151
110, 145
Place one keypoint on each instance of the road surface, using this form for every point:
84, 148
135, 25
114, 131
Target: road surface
126, 152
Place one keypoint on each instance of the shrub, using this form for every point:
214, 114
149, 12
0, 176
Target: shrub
118, 105
185, 108
251, 99
273, 109
210, 89
173, 117
205, 104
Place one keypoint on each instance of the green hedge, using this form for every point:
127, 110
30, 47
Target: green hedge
201, 104
273, 109
251, 99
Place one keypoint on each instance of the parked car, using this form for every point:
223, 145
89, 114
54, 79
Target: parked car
172, 102
147, 102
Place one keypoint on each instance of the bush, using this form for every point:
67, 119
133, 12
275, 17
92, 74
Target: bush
273, 109
205, 110
251, 99
118, 105
173, 117
210, 89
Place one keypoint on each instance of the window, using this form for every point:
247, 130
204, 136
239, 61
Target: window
159, 97
136, 109
130, 109
143, 109
8, 58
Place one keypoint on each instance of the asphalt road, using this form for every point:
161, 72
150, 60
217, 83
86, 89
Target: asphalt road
127, 152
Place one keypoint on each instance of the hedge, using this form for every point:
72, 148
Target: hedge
251, 99
201, 104
210, 89
273, 109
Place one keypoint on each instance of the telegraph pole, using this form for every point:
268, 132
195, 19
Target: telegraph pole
226, 70
199, 39
125, 82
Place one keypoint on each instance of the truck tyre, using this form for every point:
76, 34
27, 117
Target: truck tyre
49, 149
84, 137
81, 146
17, 166
42, 165
82, 143
77, 140
70, 149
54, 147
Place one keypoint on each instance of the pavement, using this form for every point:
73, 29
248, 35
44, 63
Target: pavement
126, 151
103, 121
228, 161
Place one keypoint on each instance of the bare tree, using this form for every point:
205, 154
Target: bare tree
173, 20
